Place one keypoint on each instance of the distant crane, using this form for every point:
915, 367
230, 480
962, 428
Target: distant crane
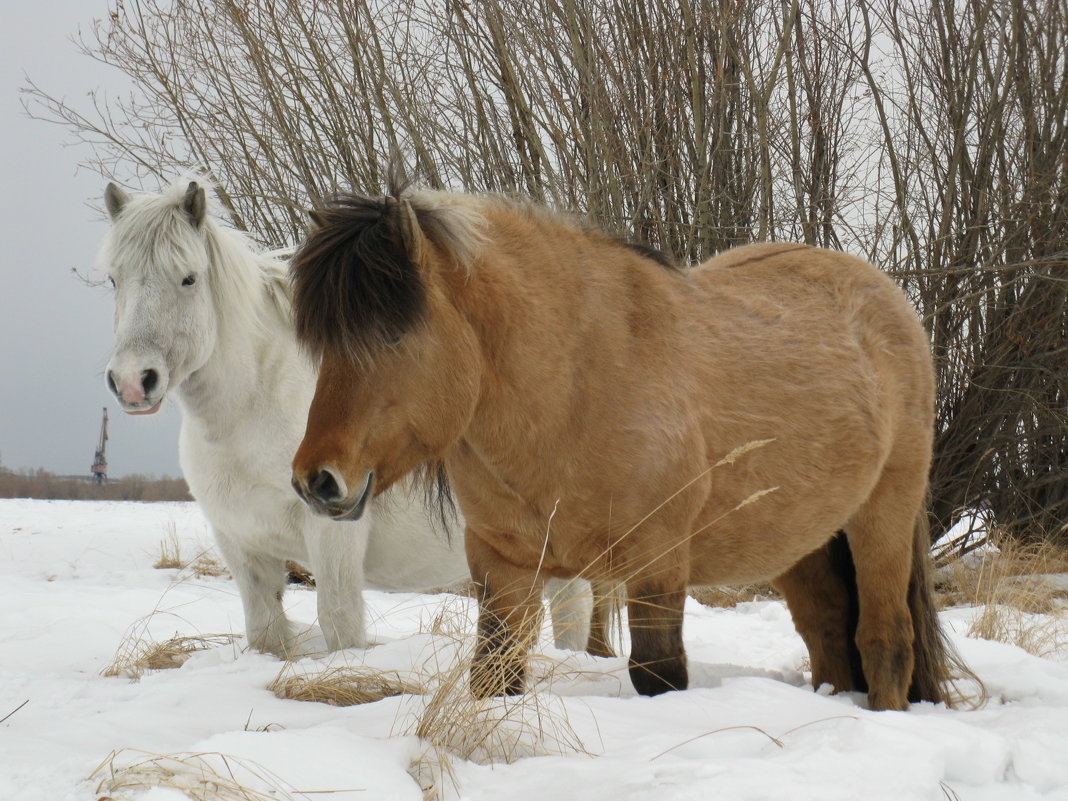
100, 462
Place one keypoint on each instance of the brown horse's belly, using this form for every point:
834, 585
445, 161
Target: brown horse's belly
771, 534
717, 563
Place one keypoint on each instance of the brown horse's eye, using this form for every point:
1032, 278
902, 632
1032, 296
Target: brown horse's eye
189, 280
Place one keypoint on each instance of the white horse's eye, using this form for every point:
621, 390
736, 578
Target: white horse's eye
111, 281
189, 280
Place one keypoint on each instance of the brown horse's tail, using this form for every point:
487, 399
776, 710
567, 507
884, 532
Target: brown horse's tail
932, 653
936, 663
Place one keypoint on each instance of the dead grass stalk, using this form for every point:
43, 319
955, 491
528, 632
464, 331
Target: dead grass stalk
137, 655
1015, 587
341, 686
203, 776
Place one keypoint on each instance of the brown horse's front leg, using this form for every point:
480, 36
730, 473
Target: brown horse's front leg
657, 656
509, 613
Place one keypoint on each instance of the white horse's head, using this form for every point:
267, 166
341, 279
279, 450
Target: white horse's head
157, 258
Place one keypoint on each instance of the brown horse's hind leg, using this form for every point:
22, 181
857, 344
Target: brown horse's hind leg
509, 613
820, 591
607, 597
657, 657
881, 540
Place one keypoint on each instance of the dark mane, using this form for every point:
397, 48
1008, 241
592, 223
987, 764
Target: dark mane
355, 286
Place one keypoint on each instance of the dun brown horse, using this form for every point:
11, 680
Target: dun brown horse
601, 412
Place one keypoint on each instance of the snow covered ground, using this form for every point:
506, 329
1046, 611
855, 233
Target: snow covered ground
75, 576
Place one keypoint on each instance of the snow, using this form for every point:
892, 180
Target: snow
76, 577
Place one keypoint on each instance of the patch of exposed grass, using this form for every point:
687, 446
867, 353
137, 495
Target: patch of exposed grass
1019, 593
205, 563
341, 686
453, 723
204, 776
136, 656
465, 588
299, 575
138, 652
208, 564
170, 551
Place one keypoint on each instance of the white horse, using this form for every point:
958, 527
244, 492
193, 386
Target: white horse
204, 315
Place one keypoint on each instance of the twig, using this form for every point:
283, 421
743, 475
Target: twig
13, 711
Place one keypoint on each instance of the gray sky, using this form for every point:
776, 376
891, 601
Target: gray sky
55, 332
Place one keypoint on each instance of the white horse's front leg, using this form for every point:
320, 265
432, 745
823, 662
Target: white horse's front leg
570, 607
260, 580
336, 553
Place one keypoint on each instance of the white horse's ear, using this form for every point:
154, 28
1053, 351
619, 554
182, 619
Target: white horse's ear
195, 203
114, 200
411, 234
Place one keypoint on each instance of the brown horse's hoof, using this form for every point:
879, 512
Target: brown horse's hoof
487, 682
662, 677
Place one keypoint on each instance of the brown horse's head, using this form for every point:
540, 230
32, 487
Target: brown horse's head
399, 366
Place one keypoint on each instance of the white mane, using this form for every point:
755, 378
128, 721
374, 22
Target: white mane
153, 233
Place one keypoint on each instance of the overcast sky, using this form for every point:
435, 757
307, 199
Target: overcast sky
55, 332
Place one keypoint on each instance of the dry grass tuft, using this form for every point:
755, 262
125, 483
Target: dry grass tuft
464, 588
138, 655
208, 564
1021, 602
299, 575
342, 686
729, 597
1040, 635
498, 728
170, 551
204, 776
205, 563
139, 652
455, 724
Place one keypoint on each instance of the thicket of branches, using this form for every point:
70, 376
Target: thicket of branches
930, 137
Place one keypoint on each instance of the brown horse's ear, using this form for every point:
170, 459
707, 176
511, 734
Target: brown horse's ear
317, 219
195, 203
412, 237
114, 200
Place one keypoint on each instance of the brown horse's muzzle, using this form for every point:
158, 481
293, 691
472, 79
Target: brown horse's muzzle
325, 492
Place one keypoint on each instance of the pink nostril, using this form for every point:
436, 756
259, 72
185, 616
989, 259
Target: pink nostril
131, 391
133, 388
